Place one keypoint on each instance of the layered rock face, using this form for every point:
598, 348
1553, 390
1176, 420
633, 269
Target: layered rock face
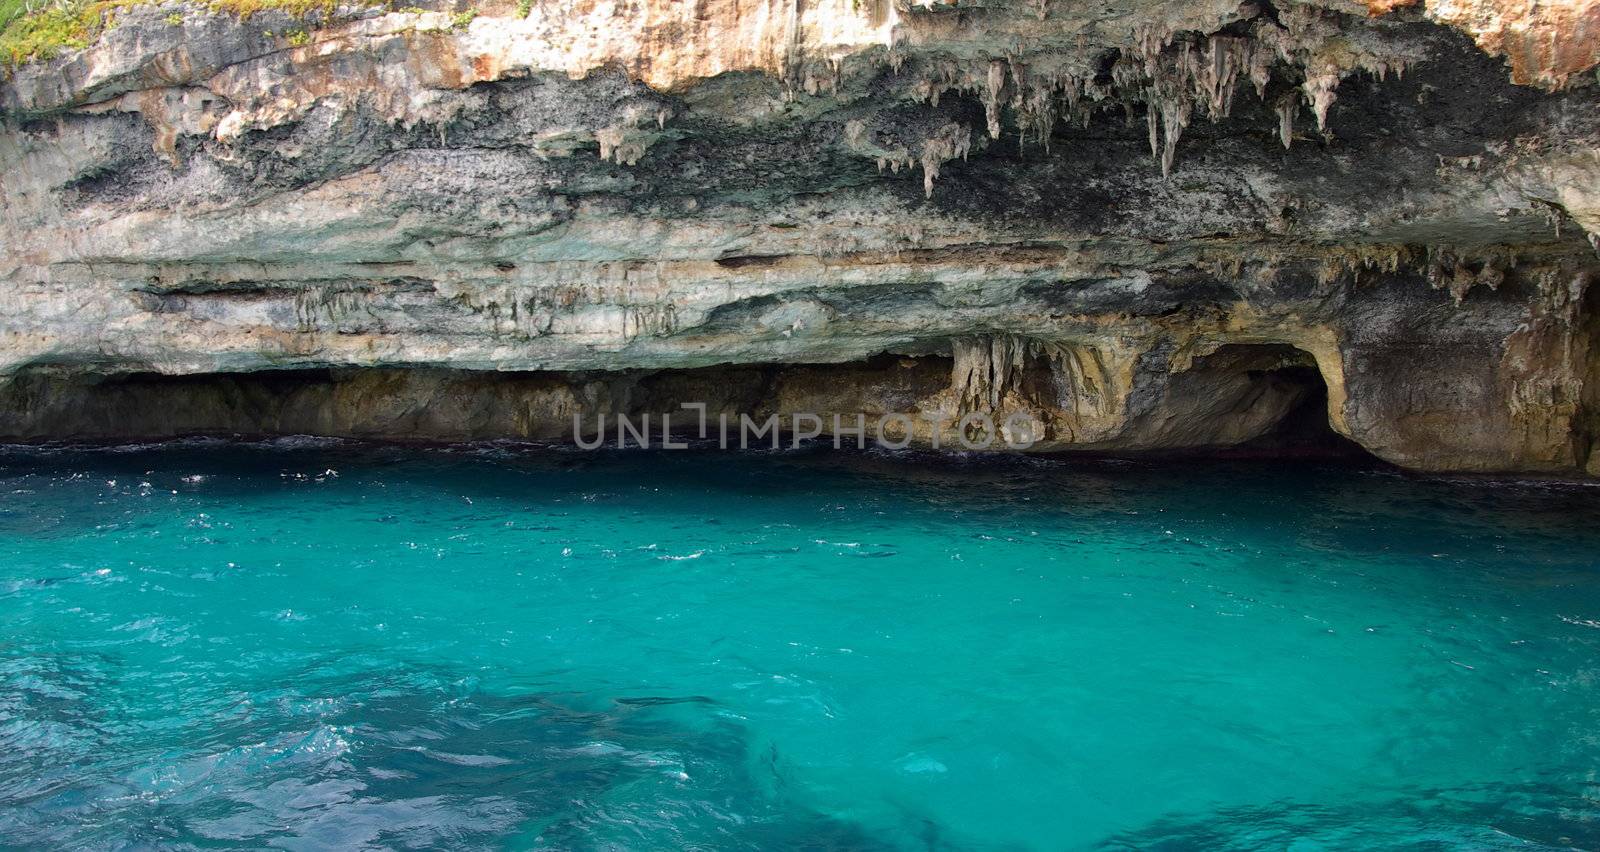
1131, 226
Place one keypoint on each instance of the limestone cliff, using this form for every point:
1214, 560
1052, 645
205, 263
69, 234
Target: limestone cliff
1139, 224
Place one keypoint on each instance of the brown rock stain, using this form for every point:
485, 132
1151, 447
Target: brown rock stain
1545, 42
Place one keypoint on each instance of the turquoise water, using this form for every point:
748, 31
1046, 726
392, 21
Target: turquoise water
323, 645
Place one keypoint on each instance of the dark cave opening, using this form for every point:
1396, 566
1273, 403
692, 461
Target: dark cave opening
1271, 398
1246, 400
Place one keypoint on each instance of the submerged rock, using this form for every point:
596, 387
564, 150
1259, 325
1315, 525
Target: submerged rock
1144, 226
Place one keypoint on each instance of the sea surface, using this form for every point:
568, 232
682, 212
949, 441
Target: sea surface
311, 644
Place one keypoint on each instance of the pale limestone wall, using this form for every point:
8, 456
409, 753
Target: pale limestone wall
1119, 191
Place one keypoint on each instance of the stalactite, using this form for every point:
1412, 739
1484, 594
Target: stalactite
985, 369
1458, 272
991, 100
1174, 118
948, 142
1153, 120
1216, 76
1319, 88
1073, 91
1037, 114
1079, 376
987, 375
1260, 69
1173, 74
1287, 107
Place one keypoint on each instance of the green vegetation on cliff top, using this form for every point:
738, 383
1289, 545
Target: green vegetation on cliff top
41, 29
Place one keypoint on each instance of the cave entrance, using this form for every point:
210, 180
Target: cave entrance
1255, 399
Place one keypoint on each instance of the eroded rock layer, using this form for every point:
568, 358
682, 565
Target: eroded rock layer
1135, 226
